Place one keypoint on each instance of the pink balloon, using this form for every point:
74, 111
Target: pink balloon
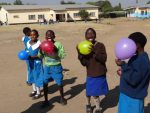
47, 46
125, 48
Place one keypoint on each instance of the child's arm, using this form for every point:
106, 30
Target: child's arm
60, 51
133, 74
40, 54
100, 53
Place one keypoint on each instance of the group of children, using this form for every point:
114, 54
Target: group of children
43, 68
134, 74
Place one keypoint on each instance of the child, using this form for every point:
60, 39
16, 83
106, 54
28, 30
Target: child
25, 39
35, 65
53, 68
135, 78
96, 83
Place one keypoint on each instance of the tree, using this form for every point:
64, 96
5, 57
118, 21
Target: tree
148, 2
105, 6
84, 15
18, 2
69, 2
118, 8
4, 3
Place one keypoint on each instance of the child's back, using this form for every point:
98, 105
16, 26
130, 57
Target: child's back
135, 77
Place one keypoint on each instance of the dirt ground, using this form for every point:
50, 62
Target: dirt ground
13, 90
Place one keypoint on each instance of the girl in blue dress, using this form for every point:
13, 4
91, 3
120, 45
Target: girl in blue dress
25, 39
35, 69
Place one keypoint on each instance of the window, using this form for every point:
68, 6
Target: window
41, 16
76, 15
142, 12
92, 14
32, 17
16, 16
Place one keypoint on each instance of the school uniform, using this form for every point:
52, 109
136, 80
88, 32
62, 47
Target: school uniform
96, 83
25, 39
52, 65
134, 84
35, 66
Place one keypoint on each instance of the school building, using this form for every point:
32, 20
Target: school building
139, 11
15, 14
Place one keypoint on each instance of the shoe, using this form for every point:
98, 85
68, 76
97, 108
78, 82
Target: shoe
29, 84
98, 111
45, 104
32, 94
89, 109
37, 96
63, 101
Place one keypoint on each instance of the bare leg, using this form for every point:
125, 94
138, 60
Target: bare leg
88, 104
63, 101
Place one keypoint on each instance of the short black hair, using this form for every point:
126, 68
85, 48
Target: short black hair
92, 31
139, 38
36, 32
26, 30
53, 33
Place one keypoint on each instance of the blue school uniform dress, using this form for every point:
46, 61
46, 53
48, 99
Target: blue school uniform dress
25, 39
35, 66
134, 84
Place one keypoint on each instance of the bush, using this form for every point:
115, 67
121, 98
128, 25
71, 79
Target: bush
114, 14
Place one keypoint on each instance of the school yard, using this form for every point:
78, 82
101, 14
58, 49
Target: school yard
13, 90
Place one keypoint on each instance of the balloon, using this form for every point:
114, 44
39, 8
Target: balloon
84, 47
47, 46
23, 55
125, 49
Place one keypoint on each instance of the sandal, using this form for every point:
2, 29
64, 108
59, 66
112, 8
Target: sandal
32, 94
37, 96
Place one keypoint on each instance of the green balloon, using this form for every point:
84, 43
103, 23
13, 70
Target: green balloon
84, 47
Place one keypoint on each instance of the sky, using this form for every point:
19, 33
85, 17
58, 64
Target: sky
124, 3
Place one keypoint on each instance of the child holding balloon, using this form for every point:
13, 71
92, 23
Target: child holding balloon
25, 39
52, 65
135, 76
35, 68
95, 63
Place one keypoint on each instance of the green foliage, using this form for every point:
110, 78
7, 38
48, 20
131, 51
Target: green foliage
113, 14
118, 8
4, 3
69, 2
84, 14
18, 2
105, 6
148, 2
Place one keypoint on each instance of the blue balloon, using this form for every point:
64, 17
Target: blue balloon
23, 55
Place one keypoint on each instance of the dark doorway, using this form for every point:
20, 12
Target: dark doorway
60, 17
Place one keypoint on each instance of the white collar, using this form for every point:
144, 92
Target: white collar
35, 46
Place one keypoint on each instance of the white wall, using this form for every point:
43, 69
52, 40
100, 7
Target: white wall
23, 17
3, 15
71, 13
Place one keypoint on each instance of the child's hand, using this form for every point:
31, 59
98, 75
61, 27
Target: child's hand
55, 49
119, 62
92, 48
77, 49
119, 71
